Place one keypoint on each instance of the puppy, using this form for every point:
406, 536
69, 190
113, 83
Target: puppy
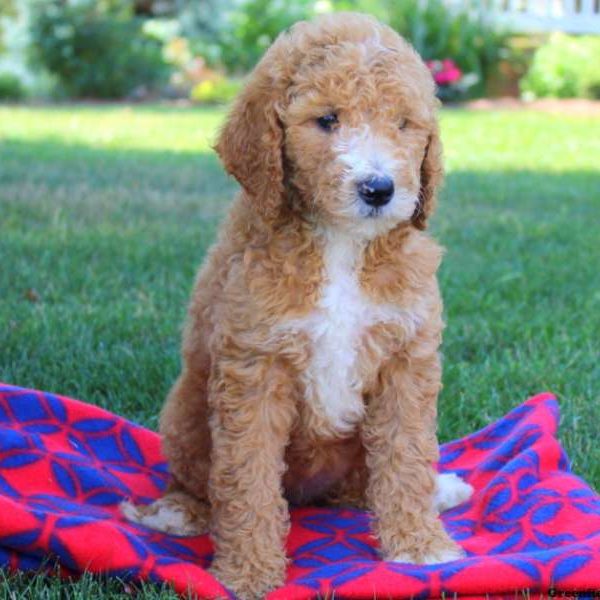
310, 356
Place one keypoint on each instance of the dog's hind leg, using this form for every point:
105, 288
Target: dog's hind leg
176, 512
185, 436
450, 491
184, 508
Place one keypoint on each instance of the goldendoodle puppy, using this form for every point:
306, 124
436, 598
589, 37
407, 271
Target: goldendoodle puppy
310, 357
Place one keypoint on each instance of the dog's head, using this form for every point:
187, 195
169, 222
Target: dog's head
341, 114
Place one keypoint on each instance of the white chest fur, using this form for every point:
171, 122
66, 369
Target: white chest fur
332, 380
335, 331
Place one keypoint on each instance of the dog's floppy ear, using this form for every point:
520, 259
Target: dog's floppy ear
432, 173
251, 142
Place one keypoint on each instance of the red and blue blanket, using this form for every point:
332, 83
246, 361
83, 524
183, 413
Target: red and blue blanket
65, 466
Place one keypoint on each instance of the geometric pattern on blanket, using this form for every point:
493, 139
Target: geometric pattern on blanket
65, 466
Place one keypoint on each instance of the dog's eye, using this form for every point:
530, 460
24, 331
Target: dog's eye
403, 124
327, 122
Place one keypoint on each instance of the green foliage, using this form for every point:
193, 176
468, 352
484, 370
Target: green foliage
438, 31
94, 48
205, 24
238, 35
99, 47
220, 90
255, 25
234, 35
11, 87
565, 67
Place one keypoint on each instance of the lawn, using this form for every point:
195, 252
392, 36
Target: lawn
106, 212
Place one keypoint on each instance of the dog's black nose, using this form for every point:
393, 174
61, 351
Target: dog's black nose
376, 191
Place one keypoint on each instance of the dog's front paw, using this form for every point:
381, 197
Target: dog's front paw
431, 550
251, 581
441, 555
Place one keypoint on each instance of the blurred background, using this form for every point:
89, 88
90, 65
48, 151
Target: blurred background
199, 50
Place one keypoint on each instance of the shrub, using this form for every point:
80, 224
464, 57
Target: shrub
206, 25
95, 49
254, 26
565, 67
232, 35
11, 87
239, 31
217, 90
438, 31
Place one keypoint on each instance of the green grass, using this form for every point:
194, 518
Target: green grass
106, 212
22, 586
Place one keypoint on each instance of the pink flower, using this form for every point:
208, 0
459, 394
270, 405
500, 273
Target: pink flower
448, 77
445, 72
